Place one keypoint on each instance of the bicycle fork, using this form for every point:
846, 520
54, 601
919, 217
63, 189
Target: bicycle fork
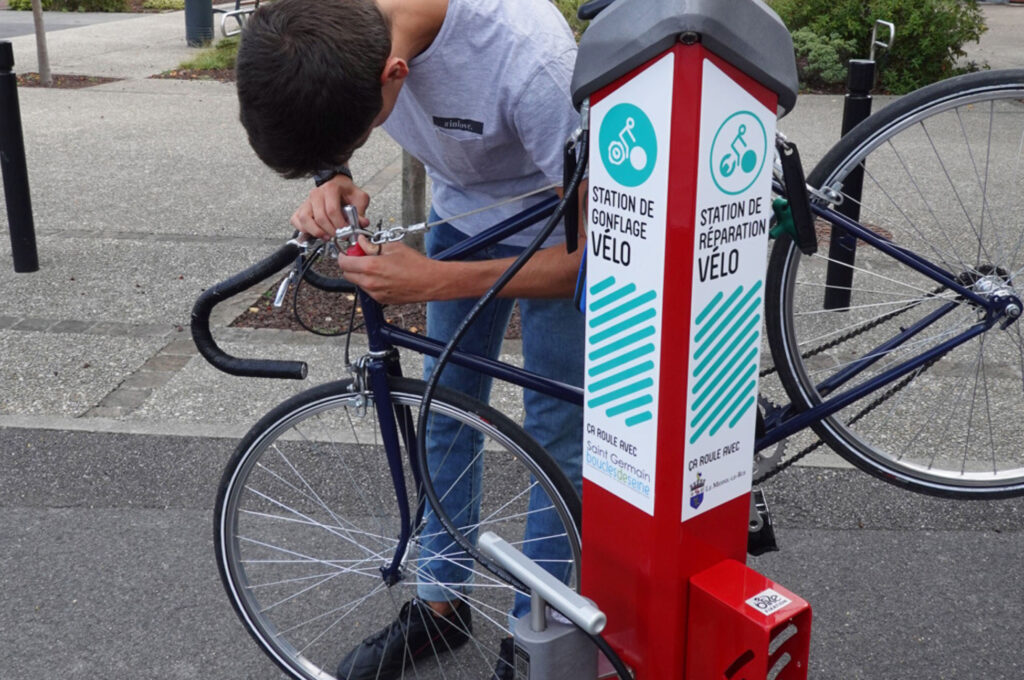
372, 376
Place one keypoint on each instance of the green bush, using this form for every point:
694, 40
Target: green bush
821, 61
74, 5
930, 35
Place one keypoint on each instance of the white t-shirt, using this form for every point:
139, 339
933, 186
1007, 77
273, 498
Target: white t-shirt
487, 108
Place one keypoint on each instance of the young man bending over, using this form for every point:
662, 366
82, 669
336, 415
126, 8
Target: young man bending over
479, 91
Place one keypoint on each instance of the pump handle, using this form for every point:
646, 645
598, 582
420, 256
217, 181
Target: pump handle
573, 606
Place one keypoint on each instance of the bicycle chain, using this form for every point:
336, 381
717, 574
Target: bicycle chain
782, 465
852, 334
885, 396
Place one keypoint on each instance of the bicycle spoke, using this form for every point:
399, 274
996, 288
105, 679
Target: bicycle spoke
982, 184
264, 468
1018, 174
988, 408
302, 479
952, 185
313, 522
974, 400
854, 308
867, 272
351, 607
943, 259
863, 291
807, 345
927, 203
890, 354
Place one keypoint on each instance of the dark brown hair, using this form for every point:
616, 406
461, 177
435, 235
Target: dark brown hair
309, 80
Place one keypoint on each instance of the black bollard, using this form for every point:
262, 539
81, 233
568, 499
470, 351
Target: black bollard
842, 246
198, 22
14, 168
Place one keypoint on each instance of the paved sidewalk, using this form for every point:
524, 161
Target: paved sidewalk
1002, 46
145, 192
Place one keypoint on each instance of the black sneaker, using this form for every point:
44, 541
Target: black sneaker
505, 668
416, 633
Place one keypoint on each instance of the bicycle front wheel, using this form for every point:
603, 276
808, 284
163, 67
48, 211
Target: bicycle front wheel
307, 517
943, 171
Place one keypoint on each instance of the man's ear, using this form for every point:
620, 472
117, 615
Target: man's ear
395, 69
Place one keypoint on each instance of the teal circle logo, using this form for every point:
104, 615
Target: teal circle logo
738, 152
628, 145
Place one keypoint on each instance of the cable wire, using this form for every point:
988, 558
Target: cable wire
442, 361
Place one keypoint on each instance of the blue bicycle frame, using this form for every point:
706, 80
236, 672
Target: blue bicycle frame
383, 337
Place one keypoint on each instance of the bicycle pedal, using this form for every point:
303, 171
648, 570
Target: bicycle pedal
761, 535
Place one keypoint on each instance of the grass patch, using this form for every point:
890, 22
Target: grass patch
220, 56
163, 5
568, 9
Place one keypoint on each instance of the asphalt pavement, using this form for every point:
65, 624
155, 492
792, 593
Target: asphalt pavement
22, 23
113, 430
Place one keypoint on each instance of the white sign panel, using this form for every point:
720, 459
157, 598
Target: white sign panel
627, 199
737, 141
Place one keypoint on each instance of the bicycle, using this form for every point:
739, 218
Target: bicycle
896, 371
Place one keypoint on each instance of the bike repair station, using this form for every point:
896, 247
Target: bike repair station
683, 97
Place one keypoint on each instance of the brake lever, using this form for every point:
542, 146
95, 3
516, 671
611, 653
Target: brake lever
348, 233
282, 290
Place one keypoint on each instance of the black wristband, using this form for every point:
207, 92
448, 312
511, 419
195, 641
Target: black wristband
326, 175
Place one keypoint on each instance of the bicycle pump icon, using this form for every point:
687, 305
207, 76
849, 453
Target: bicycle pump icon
619, 150
628, 144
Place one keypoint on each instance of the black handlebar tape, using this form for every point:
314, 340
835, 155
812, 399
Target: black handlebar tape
591, 9
211, 297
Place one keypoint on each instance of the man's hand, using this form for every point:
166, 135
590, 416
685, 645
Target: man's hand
320, 215
397, 274
394, 274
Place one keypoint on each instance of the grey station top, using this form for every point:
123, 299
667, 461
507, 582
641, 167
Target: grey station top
746, 33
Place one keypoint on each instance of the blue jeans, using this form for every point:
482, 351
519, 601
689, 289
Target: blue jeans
553, 332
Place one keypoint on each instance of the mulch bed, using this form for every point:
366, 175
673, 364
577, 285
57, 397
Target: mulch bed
223, 75
330, 313
137, 7
64, 82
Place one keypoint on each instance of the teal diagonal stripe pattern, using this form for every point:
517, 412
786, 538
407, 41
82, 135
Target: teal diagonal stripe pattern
724, 349
621, 326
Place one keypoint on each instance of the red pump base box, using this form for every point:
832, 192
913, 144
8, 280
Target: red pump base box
743, 626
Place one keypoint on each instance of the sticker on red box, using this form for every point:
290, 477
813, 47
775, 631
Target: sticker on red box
768, 601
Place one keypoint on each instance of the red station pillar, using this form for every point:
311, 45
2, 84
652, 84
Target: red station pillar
679, 200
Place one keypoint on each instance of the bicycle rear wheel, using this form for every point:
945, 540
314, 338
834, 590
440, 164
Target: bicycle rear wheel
943, 176
307, 515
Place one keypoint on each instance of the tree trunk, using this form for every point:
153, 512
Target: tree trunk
45, 78
414, 197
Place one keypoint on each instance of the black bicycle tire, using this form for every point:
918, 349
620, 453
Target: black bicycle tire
883, 124
537, 454
277, 419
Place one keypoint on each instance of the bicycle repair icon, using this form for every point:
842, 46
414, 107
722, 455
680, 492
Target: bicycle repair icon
738, 152
629, 145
